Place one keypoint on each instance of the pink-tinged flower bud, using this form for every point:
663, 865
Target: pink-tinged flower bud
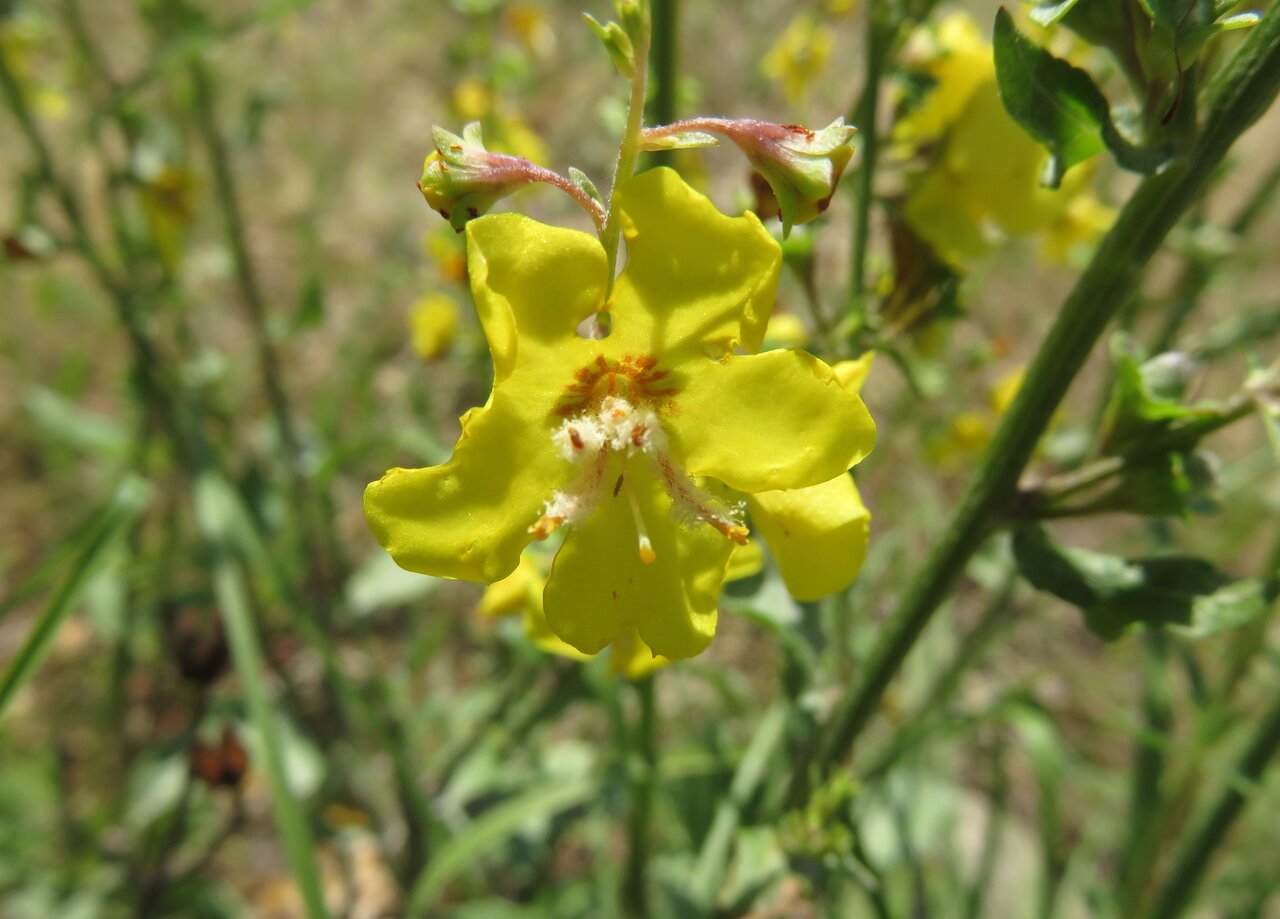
801, 166
462, 179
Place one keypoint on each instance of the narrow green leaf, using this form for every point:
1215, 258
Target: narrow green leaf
100, 536
490, 830
1060, 106
215, 505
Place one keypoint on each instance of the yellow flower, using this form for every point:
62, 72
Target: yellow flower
799, 56
981, 182
639, 443
433, 322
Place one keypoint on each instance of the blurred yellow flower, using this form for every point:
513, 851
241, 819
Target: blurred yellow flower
799, 56
445, 248
980, 179
433, 323
168, 199
531, 26
970, 431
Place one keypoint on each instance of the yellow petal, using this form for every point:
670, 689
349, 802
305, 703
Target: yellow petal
599, 587
775, 420
468, 518
818, 535
696, 282
533, 284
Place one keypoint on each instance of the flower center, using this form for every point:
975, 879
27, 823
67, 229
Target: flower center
636, 378
611, 410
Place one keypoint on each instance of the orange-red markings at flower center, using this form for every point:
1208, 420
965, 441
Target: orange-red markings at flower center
636, 378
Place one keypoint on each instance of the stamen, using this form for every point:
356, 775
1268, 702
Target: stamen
647, 555
699, 505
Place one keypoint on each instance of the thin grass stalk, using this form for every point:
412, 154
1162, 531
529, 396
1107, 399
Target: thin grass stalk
1242, 92
246, 651
1196, 854
642, 774
316, 534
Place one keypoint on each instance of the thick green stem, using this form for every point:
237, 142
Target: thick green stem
1243, 91
666, 51
865, 117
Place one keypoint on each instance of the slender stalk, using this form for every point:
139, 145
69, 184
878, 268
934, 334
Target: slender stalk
642, 767
709, 872
629, 149
1148, 768
1242, 92
992, 836
1198, 271
1193, 859
246, 650
322, 553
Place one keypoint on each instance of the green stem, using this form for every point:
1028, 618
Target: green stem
242, 637
642, 767
865, 117
712, 864
629, 150
1198, 271
1243, 91
1148, 769
321, 552
1193, 859
664, 60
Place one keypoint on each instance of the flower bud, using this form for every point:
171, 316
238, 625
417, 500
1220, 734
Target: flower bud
462, 179
801, 166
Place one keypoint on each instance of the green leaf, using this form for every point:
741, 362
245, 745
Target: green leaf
101, 535
310, 313
1232, 606
490, 830
1061, 107
1116, 593
69, 424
